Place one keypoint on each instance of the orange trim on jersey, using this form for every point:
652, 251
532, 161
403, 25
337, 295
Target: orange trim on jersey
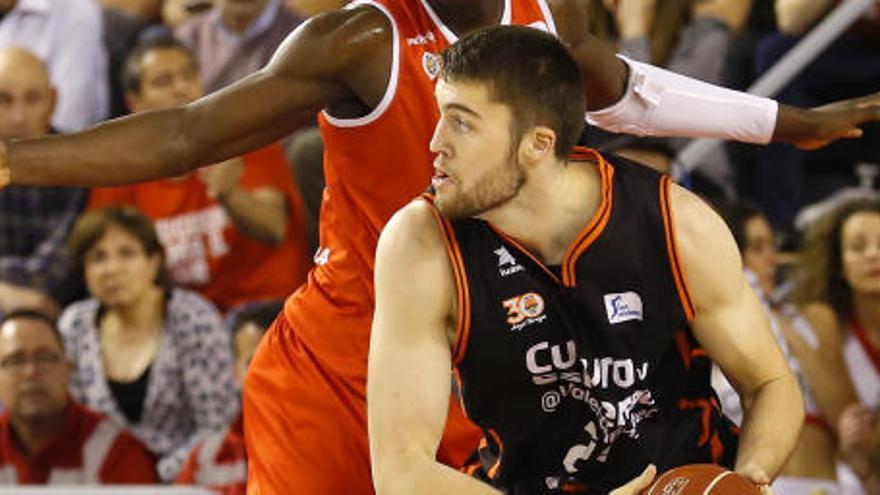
462, 331
597, 224
456, 375
705, 407
674, 262
684, 348
493, 471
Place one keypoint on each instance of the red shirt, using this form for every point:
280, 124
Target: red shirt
204, 250
89, 449
219, 462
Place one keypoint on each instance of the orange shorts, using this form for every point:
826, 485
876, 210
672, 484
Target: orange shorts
306, 429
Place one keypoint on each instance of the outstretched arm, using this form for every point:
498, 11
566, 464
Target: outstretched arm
315, 66
637, 98
731, 325
410, 361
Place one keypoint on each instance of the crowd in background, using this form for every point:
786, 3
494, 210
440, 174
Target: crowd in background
129, 313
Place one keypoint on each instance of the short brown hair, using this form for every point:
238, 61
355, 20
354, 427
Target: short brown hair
90, 227
528, 70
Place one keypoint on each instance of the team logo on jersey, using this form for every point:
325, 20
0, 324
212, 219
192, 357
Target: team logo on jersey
421, 39
524, 310
622, 307
507, 264
431, 64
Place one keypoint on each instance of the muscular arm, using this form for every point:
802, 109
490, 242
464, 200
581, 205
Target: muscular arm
731, 325
323, 61
408, 382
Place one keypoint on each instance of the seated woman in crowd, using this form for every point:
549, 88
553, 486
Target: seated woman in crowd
156, 358
839, 271
812, 466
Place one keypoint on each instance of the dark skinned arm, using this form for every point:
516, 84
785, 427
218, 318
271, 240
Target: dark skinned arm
317, 65
606, 78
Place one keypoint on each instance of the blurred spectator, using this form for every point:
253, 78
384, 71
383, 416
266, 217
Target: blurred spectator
823, 377
67, 36
154, 358
236, 38
839, 271
45, 436
234, 231
176, 12
145, 10
788, 178
219, 462
121, 32
34, 222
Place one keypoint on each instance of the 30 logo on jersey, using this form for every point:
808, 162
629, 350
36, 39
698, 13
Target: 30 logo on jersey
524, 310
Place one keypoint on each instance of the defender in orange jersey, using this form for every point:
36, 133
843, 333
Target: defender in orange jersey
371, 68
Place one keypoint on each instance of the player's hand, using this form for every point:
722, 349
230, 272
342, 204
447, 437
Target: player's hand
222, 178
756, 475
637, 484
839, 120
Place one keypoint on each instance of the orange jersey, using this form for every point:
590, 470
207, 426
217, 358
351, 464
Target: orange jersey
373, 166
203, 248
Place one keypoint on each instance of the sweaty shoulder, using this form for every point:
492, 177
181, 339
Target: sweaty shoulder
347, 46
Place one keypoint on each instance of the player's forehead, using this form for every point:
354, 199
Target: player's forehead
470, 96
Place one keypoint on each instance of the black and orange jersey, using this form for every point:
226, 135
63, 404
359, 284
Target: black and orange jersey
581, 375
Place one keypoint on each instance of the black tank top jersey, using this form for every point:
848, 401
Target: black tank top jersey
580, 379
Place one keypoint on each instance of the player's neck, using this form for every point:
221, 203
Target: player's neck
551, 210
464, 16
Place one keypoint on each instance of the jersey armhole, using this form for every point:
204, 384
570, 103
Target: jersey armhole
548, 17
681, 286
390, 90
463, 300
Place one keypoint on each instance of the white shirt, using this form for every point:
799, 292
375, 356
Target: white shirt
68, 36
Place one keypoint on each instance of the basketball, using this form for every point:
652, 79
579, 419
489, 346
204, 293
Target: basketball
701, 479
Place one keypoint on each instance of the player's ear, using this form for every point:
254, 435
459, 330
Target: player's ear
539, 143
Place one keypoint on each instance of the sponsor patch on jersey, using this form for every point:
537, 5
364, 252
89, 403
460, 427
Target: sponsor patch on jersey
421, 39
507, 264
431, 64
623, 306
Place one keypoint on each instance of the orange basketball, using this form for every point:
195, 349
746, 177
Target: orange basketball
701, 479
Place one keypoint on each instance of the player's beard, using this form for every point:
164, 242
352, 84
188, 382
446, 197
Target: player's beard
494, 188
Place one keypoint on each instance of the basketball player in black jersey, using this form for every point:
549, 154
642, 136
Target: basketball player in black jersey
576, 299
